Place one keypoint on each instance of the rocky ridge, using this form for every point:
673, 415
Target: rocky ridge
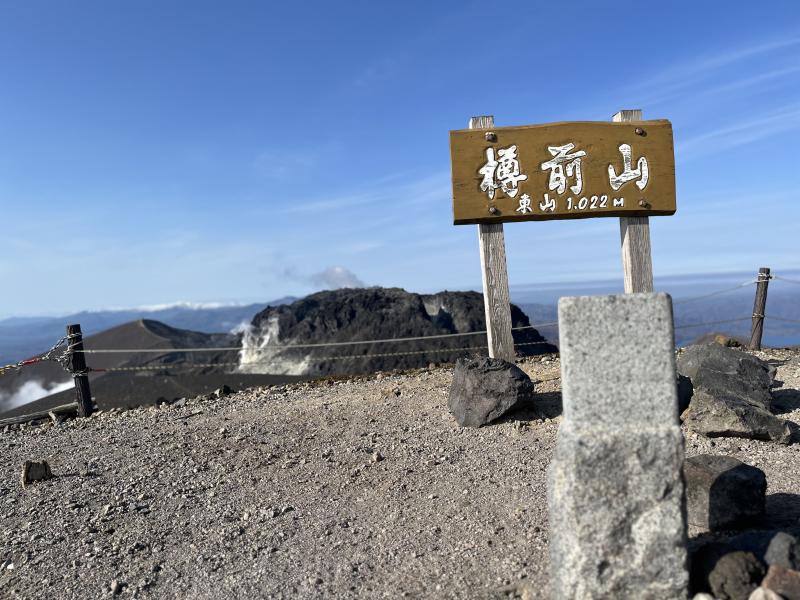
348, 315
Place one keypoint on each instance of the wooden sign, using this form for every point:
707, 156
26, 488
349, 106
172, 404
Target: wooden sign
563, 171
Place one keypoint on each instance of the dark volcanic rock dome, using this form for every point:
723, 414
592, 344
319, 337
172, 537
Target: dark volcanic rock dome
348, 315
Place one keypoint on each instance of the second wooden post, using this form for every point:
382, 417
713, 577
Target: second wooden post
637, 261
759, 307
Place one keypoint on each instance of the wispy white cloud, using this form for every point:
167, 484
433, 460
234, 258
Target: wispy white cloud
362, 246
707, 203
282, 164
691, 77
377, 72
331, 203
776, 75
740, 133
725, 58
396, 189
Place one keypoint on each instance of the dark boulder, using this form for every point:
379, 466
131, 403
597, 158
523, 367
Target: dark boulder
728, 372
724, 416
485, 389
729, 394
722, 492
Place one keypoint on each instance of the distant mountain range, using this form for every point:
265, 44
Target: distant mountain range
21, 337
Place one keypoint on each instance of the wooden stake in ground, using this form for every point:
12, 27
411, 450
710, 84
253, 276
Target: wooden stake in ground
77, 361
494, 274
637, 262
759, 306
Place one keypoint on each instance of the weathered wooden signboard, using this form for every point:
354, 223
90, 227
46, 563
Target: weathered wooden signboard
563, 171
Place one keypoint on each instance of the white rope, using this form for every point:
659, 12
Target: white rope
794, 281
712, 323
717, 293
785, 320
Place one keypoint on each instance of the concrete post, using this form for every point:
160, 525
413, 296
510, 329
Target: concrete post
615, 489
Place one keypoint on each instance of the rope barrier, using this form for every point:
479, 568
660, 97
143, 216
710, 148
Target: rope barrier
786, 279
49, 355
62, 358
70, 348
717, 293
310, 358
289, 346
19, 365
785, 320
712, 323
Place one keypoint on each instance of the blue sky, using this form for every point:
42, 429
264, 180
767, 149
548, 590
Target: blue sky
155, 152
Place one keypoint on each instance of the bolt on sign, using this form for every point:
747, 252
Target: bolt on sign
569, 170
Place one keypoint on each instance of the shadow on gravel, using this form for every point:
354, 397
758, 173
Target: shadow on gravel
783, 513
81, 474
546, 405
784, 401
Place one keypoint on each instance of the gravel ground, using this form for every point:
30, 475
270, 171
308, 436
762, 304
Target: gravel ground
359, 488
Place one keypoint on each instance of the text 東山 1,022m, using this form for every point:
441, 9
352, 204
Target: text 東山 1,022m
563, 171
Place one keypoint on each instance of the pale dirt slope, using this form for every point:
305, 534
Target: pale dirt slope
309, 491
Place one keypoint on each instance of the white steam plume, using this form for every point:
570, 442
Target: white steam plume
30, 391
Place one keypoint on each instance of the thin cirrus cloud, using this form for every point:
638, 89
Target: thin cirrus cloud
362, 247
396, 190
690, 77
777, 76
740, 133
275, 164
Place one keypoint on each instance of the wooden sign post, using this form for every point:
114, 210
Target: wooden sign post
637, 261
494, 275
623, 168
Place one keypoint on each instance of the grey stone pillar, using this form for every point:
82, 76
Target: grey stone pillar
615, 490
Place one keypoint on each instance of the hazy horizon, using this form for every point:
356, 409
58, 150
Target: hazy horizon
546, 292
